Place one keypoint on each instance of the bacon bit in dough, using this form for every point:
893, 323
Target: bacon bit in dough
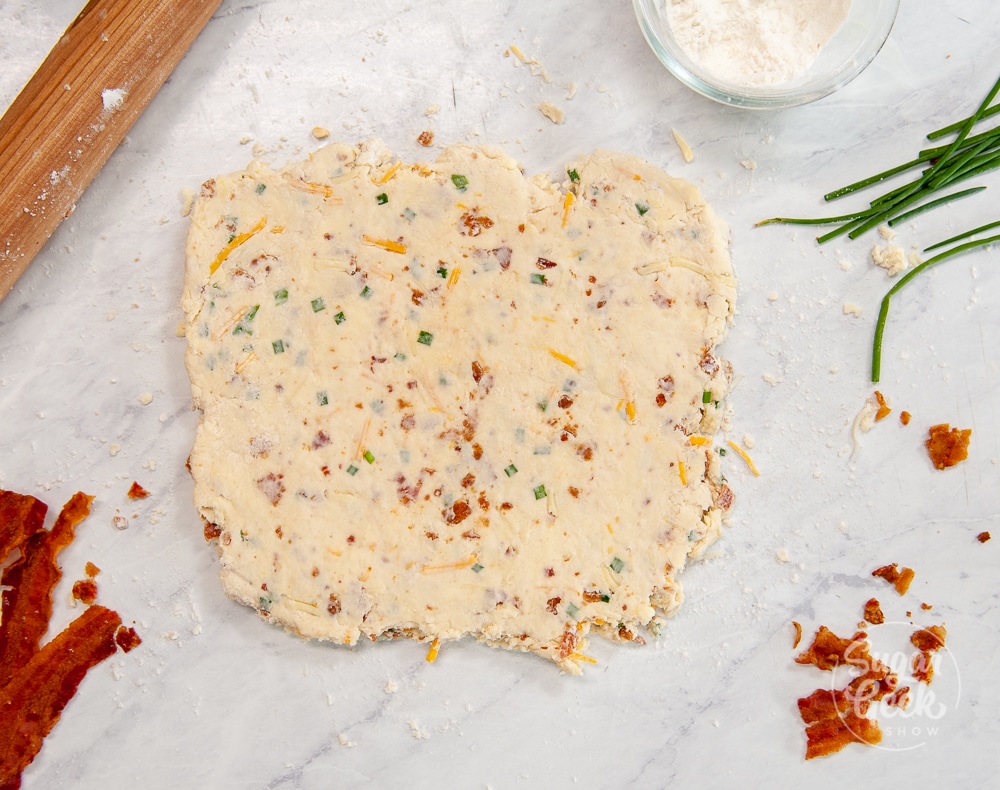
873, 612
947, 446
900, 579
137, 491
828, 650
883, 410
904, 417
21, 516
982, 537
426, 138
798, 633
91, 570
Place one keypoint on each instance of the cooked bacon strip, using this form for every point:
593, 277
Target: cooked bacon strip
21, 516
828, 650
33, 700
833, 734
873, 612
27, 605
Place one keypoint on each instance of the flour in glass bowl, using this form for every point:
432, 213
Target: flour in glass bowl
755, 43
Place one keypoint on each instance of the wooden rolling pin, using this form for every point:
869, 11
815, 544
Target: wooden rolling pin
77, 108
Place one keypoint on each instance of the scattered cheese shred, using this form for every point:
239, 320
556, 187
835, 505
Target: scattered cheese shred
686, 151
386, 244
388, 174
432, 652
518, 53
567, 205
564, 359
682, 472
582, 657
453, 276
743, 454
235, 242
471, 560
698, 441
245, 361
630, 411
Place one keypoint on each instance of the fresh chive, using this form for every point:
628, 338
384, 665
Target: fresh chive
543, 404
339, 318
617, 564
382, 199
883, 314
261, 188
352, 470
280, 296
426, 338
573, 176
959, 124
538, 279
722, 451
642, 208
278, 346
964, 235
442, 272
369, 457
706, 396
318, 304
322, 399
540, 492
510, 471
477, 567
932, 204
571, 610
460, 182
366, 292
605, 598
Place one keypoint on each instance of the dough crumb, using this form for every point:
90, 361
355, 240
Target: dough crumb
748, 164
187, 201
886, 232
146, 398
891, 257
113, 98
852, 309
320, 132
553, 113
346, 742
686, 151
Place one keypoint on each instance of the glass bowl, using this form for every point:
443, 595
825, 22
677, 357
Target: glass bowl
844, 57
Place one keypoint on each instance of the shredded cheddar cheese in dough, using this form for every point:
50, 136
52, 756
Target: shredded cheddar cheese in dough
453, 400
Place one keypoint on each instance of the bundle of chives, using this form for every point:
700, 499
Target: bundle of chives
964, 158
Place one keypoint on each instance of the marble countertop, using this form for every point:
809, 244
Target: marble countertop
94, 395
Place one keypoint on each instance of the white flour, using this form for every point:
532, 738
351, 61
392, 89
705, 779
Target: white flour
755, 42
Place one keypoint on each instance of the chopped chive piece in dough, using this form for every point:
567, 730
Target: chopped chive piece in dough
318, 304
278, 346
477, 567
352, 470
706, 397
540, 492
538, 279
339, 318
510, 471
322, 399
369, 457
366, 292
617, 564
425, 337
281, 296
460, 182
382, 199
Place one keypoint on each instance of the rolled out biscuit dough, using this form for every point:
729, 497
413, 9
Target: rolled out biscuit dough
448, 399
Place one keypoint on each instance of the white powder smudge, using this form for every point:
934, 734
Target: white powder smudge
113, 98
